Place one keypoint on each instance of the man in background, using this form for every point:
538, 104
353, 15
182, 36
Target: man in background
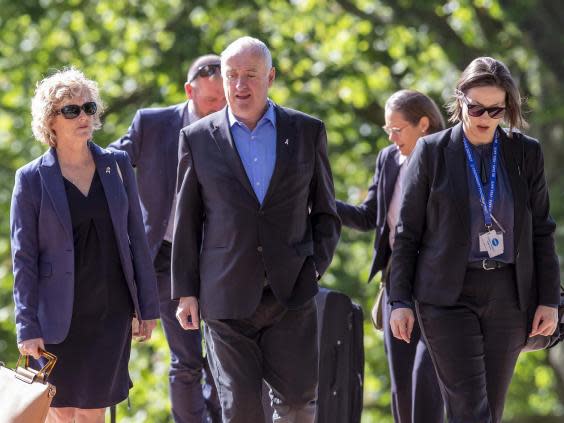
152, 145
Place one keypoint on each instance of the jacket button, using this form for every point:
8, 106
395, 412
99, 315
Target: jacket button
259, 249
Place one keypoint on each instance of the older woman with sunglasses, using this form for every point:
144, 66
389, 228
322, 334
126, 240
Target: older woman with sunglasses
474, 246
82, 267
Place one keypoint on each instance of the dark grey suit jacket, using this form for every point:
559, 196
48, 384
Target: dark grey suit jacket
225, 242
433, 237
152, 145
372, 213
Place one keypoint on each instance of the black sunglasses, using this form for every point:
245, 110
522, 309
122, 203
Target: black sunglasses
476, 110
206, 71
72, 111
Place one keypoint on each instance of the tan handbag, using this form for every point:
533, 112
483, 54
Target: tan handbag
25, 394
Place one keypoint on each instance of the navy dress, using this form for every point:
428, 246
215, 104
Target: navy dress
91, 370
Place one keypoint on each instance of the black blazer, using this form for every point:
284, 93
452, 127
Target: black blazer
372, 213
433, 237
225, 243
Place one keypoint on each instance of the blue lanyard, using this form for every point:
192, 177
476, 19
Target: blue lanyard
486, 207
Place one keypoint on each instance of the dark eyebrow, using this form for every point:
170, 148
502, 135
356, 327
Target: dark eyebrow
477, 103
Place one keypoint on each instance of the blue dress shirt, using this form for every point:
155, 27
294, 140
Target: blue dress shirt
257, 149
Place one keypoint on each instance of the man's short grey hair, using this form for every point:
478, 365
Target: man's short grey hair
247, 43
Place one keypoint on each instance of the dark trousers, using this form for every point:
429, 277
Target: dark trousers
416, 396
190, 404
274, 344
475, 343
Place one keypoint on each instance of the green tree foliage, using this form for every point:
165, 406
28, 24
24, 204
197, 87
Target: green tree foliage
336, 59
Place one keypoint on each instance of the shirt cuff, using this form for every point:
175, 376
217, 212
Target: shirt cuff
402, 304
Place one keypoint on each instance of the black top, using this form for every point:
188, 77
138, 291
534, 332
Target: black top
100, 287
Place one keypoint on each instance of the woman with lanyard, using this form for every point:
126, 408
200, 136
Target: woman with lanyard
475, 247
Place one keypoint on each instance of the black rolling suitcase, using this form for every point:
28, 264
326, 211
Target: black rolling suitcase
341, 360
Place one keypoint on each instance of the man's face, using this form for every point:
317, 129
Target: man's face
246, 81
207, 94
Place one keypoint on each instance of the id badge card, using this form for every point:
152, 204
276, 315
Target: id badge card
492, 243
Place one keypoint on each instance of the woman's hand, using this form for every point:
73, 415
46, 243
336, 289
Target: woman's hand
141, 330
31, 347
402, 321
545, 321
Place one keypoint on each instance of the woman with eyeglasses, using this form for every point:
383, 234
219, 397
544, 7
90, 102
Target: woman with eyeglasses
81, 262
409, 115
474, 245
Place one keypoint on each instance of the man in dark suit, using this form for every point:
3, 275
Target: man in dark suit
256, 225
152, 145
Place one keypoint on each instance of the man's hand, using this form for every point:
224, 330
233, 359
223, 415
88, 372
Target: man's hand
31, 347
187, 313
545, 321
401, 322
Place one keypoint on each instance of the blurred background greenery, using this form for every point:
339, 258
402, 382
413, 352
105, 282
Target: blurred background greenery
336, 59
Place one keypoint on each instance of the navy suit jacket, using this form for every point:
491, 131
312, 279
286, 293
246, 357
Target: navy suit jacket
226, 243
373, 212
152, 145
433, 237
43, 247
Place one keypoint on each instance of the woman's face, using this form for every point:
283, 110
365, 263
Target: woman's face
481, 129
76, 130
402, 133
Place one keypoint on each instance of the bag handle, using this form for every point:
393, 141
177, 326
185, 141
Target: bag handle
29, 375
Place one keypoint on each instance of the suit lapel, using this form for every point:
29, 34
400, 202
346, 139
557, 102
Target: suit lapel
455, 161
390, 175
224, 141
174, 125
106, 166
52, 178
285, 144
511, 150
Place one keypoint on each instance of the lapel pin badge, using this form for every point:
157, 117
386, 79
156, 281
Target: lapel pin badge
108, 170
286, 142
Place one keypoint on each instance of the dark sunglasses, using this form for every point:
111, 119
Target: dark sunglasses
72, 111
476, 110
206, 71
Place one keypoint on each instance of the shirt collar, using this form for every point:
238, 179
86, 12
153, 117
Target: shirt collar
269, 115
402, 159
